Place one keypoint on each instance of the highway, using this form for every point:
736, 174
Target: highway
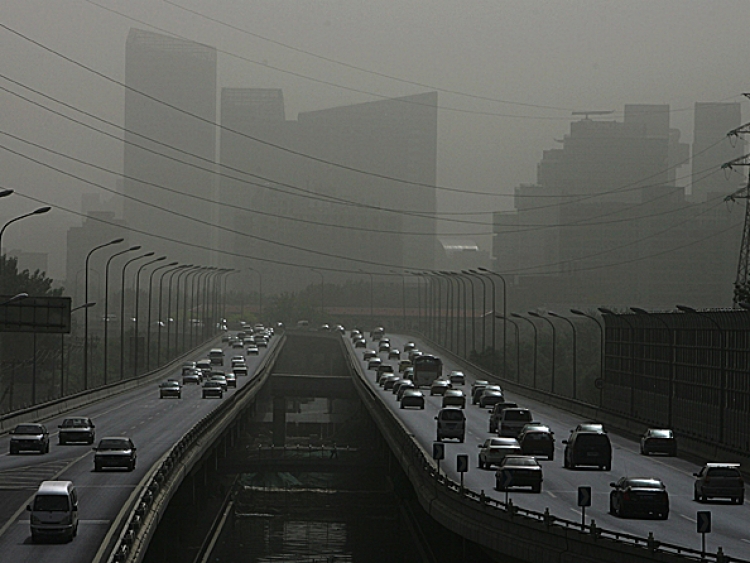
153, 424
730, 523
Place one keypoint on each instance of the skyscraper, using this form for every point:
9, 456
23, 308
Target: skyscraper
170, 149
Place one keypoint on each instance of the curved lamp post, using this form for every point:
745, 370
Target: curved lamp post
137, 314
62, 343
148, 317
169, 320
122, 311
86, 311
552, 326
573, 329
505, 314
536, 342
38, 211
601, 350
260, 293
518, 345
106, 305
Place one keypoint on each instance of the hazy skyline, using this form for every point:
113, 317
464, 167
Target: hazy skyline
542, 59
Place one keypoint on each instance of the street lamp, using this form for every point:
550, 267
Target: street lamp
122, 311
505, 314
573, 329
552, 326
631, 368
179, 321
148, 318
86, 310
260, 294
16, 297
6, 192
62, 344
106, 305
39, 211
518, 345
480, 276
171, 273
137, 308
536, 340
470, 276
600, 384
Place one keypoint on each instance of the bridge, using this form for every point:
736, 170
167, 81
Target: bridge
182, 442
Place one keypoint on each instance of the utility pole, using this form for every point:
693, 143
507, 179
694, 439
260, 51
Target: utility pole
741, 285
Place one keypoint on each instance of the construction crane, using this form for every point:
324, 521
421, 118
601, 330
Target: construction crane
742, 283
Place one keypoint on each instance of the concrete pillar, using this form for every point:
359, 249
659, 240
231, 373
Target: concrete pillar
279, 421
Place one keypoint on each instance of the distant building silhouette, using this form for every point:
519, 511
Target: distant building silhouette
293, 204
169, 82
606, 225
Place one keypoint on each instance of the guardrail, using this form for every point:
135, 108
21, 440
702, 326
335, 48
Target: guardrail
474, 515
159, 486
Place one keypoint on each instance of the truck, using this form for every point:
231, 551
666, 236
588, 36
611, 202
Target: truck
427, 368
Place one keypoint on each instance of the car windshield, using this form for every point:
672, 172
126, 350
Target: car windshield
521, 461
661, 433
114, 444
517, 416
27, 429
51, 503
645, 483
75, 423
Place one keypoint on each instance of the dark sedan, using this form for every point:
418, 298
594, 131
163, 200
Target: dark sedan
537, 440
212, 388
519, 471
639, 496
658, 441
170, 388
76, 429
116, 452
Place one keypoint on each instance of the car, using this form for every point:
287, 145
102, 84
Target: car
382, 369
355, 332
409, 346
644, 496
451, 423
490, 395
324, 328
388, 381
457, 377
340, 329
403, 364
240, 371
261, 341
369, 354
212, 388
414, 354
398, 383
187, 367
403, 388
221, 377
238, 344
240, 359
476, 390
76, 429
115, 452
440, 386
519, 471
170, 388
589, 427
205, 367
512, 420
248, 340
412, 398
252, 350
719, 480
588, 448
53, 512
360, 343
497, 411
384, 346
394, 354
408, 373
29, 437
454, 397
373, 363
231, 379
193, 376
537, 440
225, 338
658, 441
493, 451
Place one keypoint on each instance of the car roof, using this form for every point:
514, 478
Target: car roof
719, 464
502, 441
55, 487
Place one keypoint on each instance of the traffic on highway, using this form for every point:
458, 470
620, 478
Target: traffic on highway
540, 456
106, 452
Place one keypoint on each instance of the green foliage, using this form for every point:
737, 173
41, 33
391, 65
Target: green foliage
35, 284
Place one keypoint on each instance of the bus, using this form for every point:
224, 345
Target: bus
427, 369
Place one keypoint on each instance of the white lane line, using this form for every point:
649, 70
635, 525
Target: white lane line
553, 495
744, 540
689, 519
575, 510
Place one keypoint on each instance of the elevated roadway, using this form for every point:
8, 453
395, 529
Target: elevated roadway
154, 424
730, 523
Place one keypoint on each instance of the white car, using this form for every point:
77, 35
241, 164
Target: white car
494, 450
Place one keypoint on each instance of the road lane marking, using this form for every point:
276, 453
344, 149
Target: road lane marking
575, 510
553, 495
688, 518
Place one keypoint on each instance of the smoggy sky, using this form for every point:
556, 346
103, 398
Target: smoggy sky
521, 68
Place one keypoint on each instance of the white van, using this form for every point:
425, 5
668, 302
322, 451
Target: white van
216, 355
54, 511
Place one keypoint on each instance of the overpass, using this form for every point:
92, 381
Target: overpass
509, 528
